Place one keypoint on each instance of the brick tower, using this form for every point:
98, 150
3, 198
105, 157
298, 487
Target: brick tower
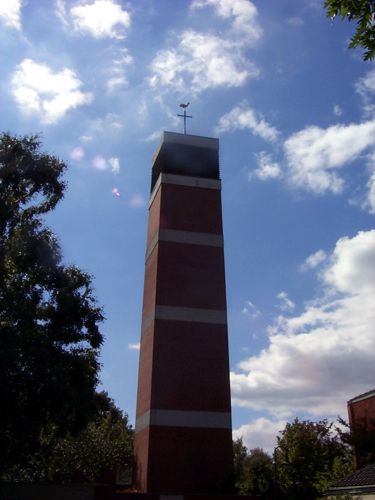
183, 437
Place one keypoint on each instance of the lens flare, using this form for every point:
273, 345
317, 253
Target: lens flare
116, 192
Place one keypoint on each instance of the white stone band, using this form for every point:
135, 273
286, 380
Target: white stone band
189, 237
183, 418
189, 314
183, 180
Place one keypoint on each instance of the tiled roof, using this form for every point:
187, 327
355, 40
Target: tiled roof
362, 477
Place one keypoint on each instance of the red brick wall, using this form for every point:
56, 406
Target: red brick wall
191, 369
184, 364
180, 455
361, 417
191, 209
361, 411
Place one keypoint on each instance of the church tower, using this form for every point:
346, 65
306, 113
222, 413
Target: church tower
183, 435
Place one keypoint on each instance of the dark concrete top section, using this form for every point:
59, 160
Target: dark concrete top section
190, 155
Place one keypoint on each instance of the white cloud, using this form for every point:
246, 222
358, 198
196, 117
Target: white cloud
353, 264
314, 260
142, 111
118, 78
313, 153
101, 163
39, 91
285, 303
61, 12
319, 359
154, 136
77, 153
250, 309
110, 121
200, 62
243, 13
109, 124
267, 169
365, 87
137, 201
114, 164
10, 13
116, 82
86, 138
242, 118
101, 18
123, 58
134, 347
370, 202
295, 21
337, 110
261, 433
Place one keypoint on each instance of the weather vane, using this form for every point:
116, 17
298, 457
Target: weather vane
184, 116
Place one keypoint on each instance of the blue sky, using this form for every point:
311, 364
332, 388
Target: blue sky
295, 113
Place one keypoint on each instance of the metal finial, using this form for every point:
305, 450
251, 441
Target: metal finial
184, 116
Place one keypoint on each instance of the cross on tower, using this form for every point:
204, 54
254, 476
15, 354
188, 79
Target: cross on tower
184, 116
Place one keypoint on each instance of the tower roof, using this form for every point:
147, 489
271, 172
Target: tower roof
190, 155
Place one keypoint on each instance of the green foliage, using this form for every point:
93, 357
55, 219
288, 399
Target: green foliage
339, 468
103, 445
258, 474
239, 459
362, 11
49, 335
253, 471
93, 455
308, 458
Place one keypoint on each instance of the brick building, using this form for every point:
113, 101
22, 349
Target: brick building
361, 412
183, 437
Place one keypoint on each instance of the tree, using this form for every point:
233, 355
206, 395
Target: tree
258, 474
239, 459
103, 446
309, 456
49, 333
254, 473
363, 11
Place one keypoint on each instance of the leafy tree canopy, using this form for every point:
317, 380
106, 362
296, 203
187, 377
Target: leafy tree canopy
254, 472
49, 333
104, 445
309, 456
362, 11
93, 455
